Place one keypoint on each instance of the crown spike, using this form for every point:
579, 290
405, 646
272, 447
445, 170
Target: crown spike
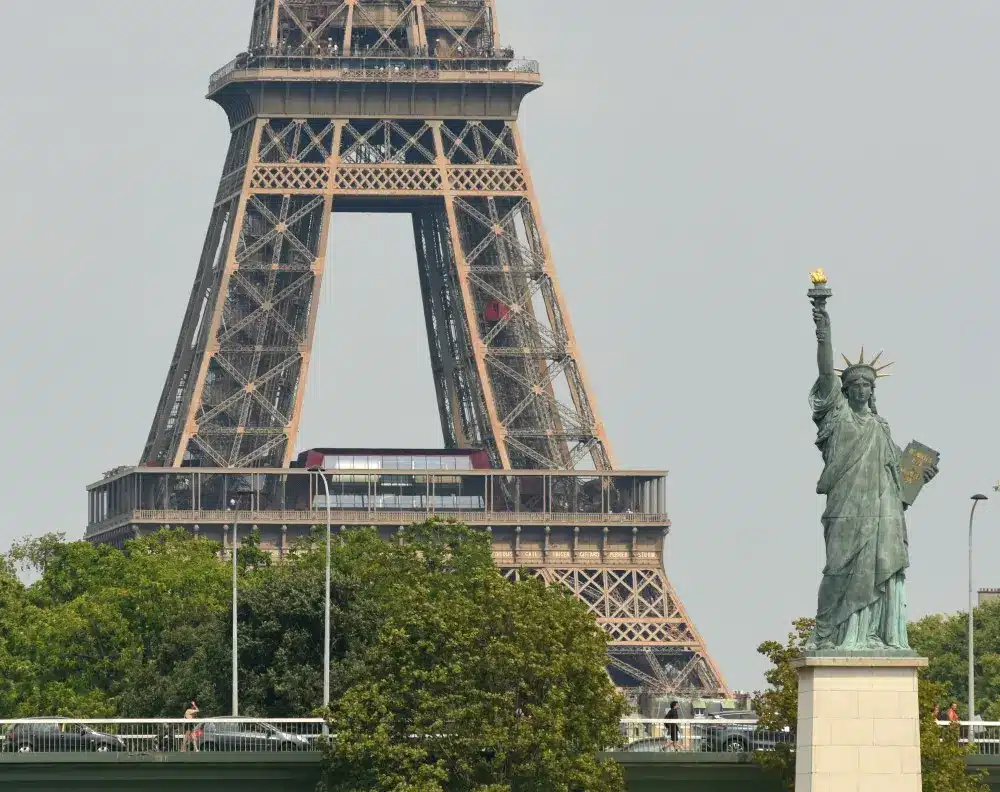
872, 364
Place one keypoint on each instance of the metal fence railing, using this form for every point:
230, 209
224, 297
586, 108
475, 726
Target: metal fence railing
162, 735
983, 737
365, 67
55, 735
729, 734
732, 734
735, 734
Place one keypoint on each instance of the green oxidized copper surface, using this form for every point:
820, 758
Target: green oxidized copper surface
862, 598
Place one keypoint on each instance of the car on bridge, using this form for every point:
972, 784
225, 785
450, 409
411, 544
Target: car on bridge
236, 734
738, 732
54, 735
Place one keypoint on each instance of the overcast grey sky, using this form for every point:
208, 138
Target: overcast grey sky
694, 160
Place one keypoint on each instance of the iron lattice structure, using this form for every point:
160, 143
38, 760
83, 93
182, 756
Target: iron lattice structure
399, 106
655, 646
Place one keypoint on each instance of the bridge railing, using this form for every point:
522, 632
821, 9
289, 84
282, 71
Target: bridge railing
164, 735
701, 735
744, 735
982, 736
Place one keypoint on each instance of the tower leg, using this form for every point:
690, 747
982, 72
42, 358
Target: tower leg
537, 402
446, 345
243, 360
230, 199
579, 389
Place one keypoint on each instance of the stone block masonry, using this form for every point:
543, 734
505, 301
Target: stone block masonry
858, 725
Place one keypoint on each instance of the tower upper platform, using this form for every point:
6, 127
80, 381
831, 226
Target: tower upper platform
449, 47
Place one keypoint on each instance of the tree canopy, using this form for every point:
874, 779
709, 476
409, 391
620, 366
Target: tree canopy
444, 676
945, 640
467, 682
80, 635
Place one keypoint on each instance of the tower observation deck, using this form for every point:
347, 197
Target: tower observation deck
406, 106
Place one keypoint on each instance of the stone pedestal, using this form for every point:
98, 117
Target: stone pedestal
859, 725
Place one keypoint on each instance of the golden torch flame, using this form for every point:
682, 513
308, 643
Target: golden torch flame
818, 277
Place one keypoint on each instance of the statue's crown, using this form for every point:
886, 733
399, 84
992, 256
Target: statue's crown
870, 368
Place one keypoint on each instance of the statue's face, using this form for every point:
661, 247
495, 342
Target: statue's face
859, 392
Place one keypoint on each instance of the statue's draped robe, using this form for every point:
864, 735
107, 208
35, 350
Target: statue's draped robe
862, 599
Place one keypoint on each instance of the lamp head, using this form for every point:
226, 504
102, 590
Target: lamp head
979, 497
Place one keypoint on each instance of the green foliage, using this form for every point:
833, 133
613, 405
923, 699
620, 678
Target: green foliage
66, 637
250, 556
942, 757
81, 637
778, 706
12, 649
444, 676
945, 640
35, 553
460, 680
280, 615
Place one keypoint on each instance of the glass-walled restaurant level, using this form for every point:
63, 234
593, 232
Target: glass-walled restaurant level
177, 493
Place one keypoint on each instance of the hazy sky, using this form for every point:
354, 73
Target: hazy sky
694, 160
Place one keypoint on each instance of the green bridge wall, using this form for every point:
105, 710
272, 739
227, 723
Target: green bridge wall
300, 773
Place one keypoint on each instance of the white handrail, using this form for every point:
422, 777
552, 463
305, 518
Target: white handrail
136, 721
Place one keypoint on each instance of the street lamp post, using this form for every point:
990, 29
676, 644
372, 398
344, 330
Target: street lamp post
326, 602
972, 665
236, 672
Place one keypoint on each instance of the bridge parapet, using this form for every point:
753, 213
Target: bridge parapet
731, 733
276, 771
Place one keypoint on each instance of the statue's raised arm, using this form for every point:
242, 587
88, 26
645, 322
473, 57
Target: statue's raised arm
819, 294
824, 346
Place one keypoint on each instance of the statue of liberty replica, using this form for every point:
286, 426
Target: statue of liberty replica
869, 483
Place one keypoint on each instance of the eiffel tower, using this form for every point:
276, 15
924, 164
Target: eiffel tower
402, 106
